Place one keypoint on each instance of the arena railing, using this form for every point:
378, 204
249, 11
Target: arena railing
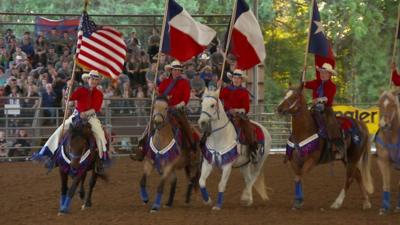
123, 118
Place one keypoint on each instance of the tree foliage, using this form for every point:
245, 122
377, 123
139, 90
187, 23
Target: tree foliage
361, 31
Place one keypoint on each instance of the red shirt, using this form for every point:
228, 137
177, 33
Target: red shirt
396, 78
235, 98
180, 92
86, 99
329, 89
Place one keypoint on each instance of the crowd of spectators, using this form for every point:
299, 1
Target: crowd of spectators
39, 65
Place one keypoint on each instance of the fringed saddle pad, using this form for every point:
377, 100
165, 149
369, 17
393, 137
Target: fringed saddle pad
305, 147
166, 155
220, 158
63, 161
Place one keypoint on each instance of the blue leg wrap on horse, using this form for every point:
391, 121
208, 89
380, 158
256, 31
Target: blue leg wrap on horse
298, 191
67, 203
204, 193
386, 200
220, 199
62, 200
157, 203
398, 200
143, 194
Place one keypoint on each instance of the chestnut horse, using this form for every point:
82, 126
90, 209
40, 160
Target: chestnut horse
75, 158
166, 151
388, 143
308, 149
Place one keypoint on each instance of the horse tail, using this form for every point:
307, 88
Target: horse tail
364, 165
259, 184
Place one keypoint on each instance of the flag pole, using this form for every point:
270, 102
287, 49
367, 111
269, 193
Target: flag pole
158, 61
308, 43
395, 44
228, 40
69, 90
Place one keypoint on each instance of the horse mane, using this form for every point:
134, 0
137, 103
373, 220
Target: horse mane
162, 98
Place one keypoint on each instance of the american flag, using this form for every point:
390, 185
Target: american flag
100, 48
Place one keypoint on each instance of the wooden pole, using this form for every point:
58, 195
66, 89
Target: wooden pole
228, 40
86, 2
158, 61
394, 45
303, 77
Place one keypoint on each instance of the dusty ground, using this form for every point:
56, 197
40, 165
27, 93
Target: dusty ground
29, 196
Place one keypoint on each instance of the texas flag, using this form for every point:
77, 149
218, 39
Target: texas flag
247, 39
183, 36
319, 44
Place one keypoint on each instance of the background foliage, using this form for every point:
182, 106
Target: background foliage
361, 31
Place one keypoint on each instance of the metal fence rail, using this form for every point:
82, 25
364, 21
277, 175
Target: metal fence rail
124, 119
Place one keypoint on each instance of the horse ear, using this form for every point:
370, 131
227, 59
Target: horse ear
205, 91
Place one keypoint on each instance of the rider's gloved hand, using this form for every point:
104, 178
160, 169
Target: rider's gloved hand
180, 106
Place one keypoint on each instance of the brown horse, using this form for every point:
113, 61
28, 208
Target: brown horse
309, 150
75, 158
387, 143
166, 154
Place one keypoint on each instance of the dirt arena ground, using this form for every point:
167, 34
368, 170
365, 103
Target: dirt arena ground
29, 196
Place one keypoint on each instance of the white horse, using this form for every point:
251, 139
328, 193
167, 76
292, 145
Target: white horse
223, 150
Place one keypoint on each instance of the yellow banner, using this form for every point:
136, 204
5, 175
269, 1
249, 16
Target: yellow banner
369, 116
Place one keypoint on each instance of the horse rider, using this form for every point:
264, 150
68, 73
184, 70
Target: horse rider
177, 90
323, 93
236, 101
88, 102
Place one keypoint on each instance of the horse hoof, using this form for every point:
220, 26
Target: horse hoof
336, 205
62, 213
168, 206
298, 204
83, 207
367, 205
216, 208
209, 202
383, 212
155, 208
397, 209
145, 202
246, 202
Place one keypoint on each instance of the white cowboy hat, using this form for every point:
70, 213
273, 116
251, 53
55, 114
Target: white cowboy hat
176, 65
327, 67
94, 74
237, 73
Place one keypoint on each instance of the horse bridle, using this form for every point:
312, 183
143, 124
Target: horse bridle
216, 109
390, 121
164, 121
73, 156
292, 104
